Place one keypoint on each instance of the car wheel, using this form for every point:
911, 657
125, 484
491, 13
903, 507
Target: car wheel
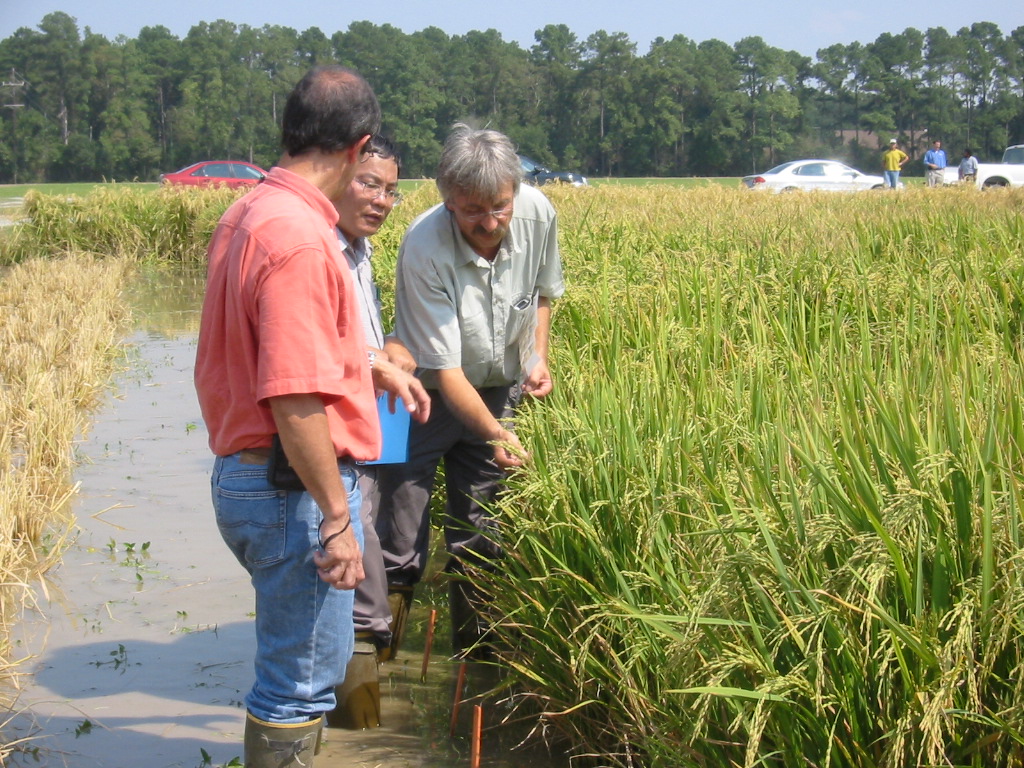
879, 186
994, 183
790, 189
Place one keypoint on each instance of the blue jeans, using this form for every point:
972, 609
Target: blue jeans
304, 635
892, 178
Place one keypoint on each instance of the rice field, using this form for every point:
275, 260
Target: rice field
774, 510
772, 515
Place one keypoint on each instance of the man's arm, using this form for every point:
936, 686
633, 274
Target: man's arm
538, 381
302, 424
399, 354
467, 406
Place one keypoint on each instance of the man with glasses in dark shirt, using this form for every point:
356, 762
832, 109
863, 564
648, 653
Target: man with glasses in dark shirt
476, 277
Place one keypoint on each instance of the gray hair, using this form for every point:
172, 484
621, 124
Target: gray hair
477, 162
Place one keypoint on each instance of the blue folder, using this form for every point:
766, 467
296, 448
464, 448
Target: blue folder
394, 428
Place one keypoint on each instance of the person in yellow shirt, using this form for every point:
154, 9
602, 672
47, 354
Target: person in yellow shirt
893, 159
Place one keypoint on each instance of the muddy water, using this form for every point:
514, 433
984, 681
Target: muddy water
142, 642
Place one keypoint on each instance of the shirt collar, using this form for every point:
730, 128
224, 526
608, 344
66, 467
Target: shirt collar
357, 251
299, 185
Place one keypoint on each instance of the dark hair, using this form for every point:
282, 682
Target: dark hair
384, 148
968, 152
330, 109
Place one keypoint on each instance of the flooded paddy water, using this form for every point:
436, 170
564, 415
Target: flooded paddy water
141, 647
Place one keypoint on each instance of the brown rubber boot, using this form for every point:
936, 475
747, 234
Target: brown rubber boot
280, 745
358, 695
400, 603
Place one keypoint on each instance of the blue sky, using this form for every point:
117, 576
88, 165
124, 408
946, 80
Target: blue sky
800, 25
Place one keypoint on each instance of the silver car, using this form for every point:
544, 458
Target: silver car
818, 175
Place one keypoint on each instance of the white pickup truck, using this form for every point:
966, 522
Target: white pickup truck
1009, 173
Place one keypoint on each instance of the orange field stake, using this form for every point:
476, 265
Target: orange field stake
474, 748
430, 644
457, 703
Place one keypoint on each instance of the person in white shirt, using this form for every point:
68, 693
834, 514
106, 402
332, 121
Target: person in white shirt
968, 167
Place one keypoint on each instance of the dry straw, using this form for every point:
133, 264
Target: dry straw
60, 325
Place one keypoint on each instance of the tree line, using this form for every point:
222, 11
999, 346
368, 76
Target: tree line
80, 107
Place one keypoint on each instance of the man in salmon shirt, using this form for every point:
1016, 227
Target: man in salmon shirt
282, 371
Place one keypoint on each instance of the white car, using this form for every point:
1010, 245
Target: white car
821, 175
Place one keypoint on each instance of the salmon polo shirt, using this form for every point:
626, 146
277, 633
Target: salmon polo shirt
280, 317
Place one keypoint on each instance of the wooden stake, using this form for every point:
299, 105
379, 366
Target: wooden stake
430, 643
474, 748
457, 703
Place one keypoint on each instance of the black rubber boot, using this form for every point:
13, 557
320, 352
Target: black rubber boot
469, 628
400, 603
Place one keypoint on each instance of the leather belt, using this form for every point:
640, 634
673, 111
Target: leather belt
254, 455
262, 455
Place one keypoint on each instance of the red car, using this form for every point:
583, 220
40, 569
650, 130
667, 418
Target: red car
229, 173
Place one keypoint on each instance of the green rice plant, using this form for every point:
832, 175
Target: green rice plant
771, 515
171, 223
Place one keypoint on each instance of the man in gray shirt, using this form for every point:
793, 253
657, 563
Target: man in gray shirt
476, 277
362, 209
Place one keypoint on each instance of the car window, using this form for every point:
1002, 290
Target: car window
836, 169
812, 169
219, 170
781, 168
1013, 155
246, 172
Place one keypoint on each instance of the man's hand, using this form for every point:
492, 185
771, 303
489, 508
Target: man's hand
340, 563
508, 451
538, 383
388, 377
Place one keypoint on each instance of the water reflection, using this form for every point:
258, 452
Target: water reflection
144, 638
166, 300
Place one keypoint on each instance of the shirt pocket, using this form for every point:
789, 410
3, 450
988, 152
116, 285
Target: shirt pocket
522, 321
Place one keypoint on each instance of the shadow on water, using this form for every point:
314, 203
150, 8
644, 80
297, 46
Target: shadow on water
142, 644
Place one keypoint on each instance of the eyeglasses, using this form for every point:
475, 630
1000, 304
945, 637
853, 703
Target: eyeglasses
498, 213
373, 191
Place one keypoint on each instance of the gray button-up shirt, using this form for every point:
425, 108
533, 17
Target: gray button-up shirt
456, 309
358, 256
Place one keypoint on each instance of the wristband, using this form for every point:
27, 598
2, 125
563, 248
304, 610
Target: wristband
333, 536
